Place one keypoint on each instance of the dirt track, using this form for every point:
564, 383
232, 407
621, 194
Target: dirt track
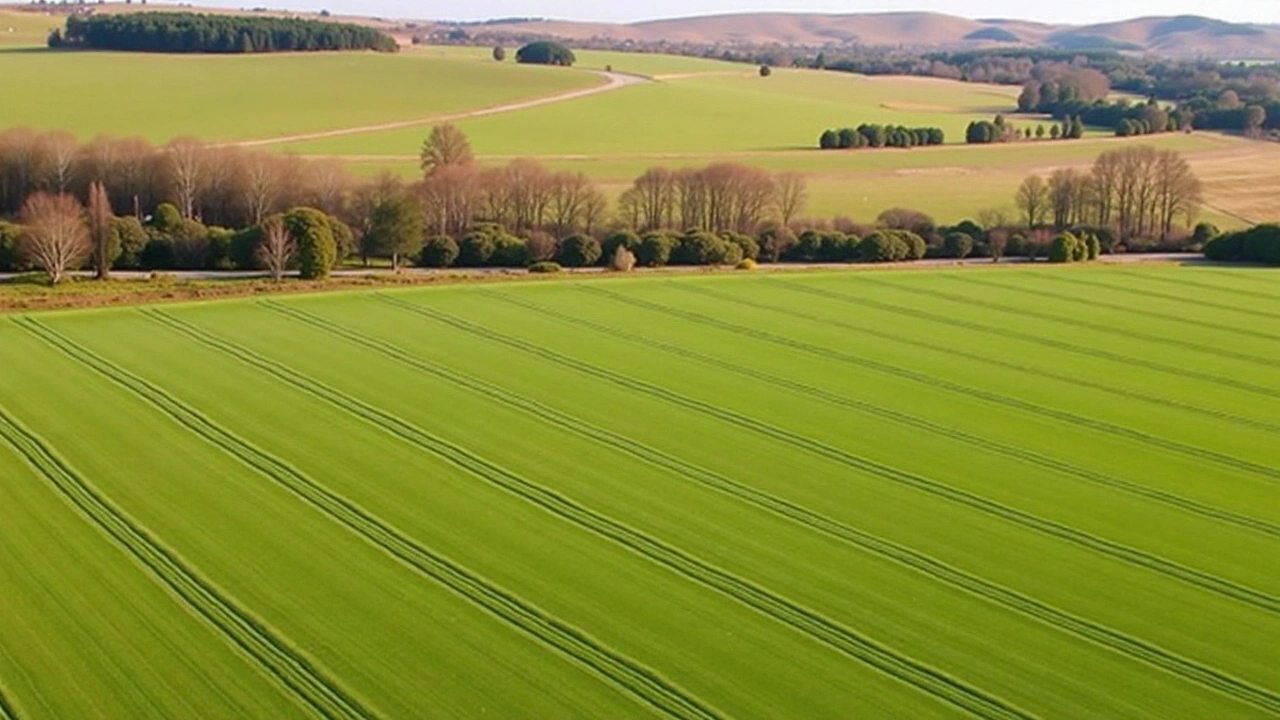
615, 81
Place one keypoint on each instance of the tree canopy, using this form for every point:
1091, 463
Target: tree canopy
545, 53
185, 32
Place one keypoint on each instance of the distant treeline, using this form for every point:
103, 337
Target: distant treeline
879, 136
182, 32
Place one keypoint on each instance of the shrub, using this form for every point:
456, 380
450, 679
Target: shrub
833, 247
191, 249
958, 245
655, 250
439, 251
1063, 248
695, 248
623, 260
475, 249
166, 218
546, 266
219, 257
1093, 246
509, 251
1262, 244
1080, 252
765, 71
775, 243
10, 258
726, 253
540, 246
622, 238
313, 236
157, 254
881, 246
131, 238
915, 246
1205, 232
906, 219
746, 244
578, 251
747, 264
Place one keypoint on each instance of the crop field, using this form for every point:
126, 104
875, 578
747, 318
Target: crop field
1005, 493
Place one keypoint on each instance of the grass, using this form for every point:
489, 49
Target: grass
712, 114
234, 98
1023, 493
26, 29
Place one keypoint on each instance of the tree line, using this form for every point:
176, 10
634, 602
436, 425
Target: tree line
124, 204
1259, 244
880, 136
185, 32
1000, 130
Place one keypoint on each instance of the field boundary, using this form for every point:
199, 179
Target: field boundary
979, 443
625, 674
7, 711
870, 543
274, 655
1190, 576
787, 612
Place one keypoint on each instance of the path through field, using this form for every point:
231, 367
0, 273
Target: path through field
613, 81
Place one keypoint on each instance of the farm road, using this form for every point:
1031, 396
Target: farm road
615, 81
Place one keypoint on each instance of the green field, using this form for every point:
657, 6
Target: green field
231, 98
1019, 493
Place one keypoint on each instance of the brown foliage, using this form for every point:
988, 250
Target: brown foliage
55, 238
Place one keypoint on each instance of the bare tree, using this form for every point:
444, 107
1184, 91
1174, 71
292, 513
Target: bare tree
59, 152
1033, 200
997, 242
100, 216
656, 194
450, 198
186, 166
791, 192
276, 249
259, 188
446, 146
55, 238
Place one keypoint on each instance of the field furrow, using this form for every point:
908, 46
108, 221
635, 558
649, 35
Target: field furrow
979, 443
1192, 576
1074, 348
6, 708
275, 655
642, 683
1254, 312
1093, 303
942, 572
1198, 453
761, 599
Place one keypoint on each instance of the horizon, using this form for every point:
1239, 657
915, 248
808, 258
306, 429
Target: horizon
1083, 12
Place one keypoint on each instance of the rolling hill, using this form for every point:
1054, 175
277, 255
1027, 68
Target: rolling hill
1179, 36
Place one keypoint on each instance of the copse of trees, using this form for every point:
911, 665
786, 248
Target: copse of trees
185, 32
880, 136
1130, 196
546, 52
1000, 130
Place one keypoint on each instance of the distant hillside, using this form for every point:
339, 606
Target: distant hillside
1181, 36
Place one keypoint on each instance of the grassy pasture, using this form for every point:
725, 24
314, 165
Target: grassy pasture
231, 98
733, 112
26, 29
1008, 493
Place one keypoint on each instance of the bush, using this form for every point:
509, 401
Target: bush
1080, 252
131, 238
1262, 244
775, 243
1063, 248
916, 247
439, 251
509, 251
578, 251
219, 253
157, 254
475, 249
747, 264
166, 218
808, 247
704, 248
540, 246
546, 266
10, 259
1205, 232
623, 260
655, 250
313, 235
834, 247
1093, 246
746, 244
958, 245
881, 246
765, 71
622, 238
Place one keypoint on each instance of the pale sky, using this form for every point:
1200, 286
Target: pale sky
1072, 11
